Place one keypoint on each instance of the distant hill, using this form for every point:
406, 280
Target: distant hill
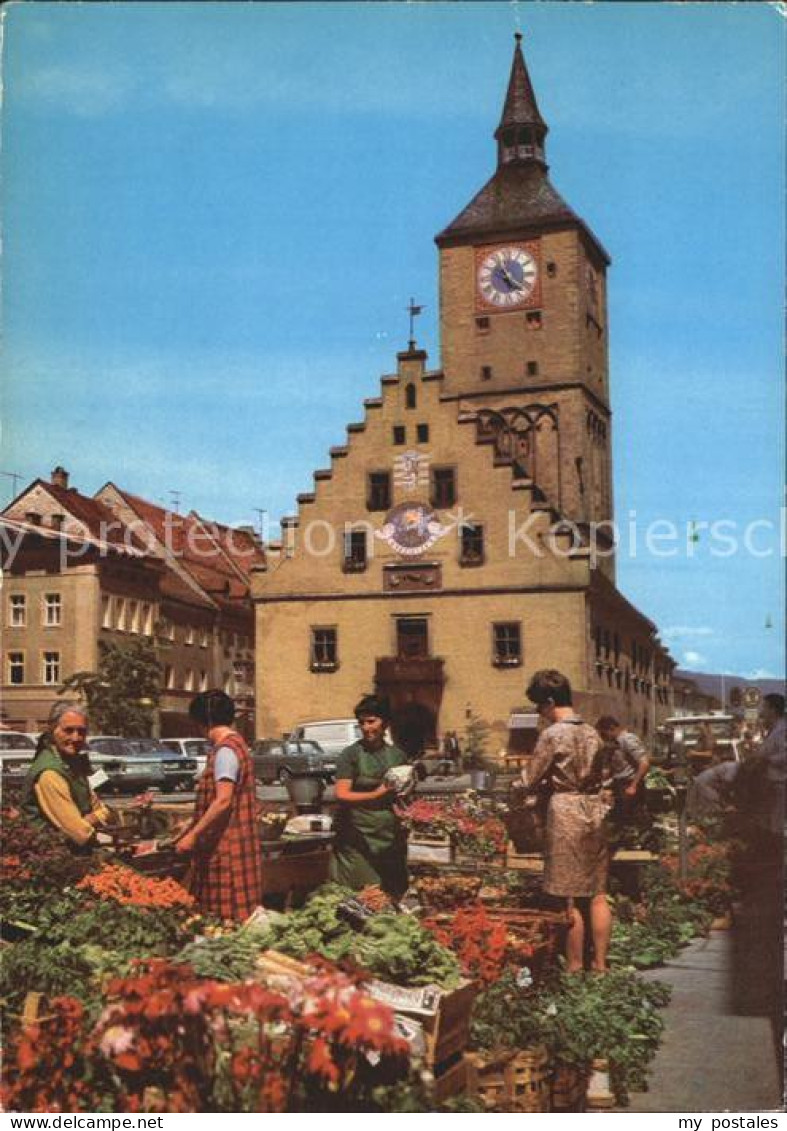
710, 684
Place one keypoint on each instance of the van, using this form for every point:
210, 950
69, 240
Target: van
332, 735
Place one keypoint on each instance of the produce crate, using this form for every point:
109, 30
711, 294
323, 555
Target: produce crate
569, 1088
527, 861
544, 930
450, 1080
437, 893
471, 860
425, 849
515, 1081
293, 873
445, 1018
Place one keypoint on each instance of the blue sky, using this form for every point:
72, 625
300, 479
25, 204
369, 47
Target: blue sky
215, 215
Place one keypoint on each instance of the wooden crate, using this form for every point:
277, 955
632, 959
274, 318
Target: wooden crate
481, 863
527, 861
569, 1088
450, 1080
447, 1029
425, 849
514, 1082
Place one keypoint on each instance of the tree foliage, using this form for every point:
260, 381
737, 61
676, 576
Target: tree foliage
122, 696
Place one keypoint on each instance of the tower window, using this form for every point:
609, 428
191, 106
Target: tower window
379, 491
533, 319
482, 324
410, 396
532, 369
443, 486
486, 372
399, 434
324, 655
551, 269
422, 433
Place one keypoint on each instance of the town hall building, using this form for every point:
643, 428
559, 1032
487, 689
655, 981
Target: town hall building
460, 538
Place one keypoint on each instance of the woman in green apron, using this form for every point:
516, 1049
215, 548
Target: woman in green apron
371, 844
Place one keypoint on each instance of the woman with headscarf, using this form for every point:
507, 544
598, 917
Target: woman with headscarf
224, 838
57, 787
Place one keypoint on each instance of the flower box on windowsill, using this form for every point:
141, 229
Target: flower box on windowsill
350, 565
471, 560
324, 665
507, 662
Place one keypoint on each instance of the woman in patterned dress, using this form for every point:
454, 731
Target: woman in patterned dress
223, 839
569, 757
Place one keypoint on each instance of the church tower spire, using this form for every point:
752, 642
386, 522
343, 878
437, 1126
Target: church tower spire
522, 131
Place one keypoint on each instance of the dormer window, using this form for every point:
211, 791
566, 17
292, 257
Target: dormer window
410, 396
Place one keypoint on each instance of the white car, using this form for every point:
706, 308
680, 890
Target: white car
331, 735
17, 751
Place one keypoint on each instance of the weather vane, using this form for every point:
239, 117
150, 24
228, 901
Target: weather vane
413, 310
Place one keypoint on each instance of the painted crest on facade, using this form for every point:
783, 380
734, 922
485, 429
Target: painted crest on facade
411, 528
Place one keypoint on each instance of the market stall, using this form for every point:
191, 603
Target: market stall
327, 999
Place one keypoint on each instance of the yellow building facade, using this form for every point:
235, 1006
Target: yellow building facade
460, 539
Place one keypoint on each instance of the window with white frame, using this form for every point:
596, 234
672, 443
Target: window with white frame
51, 668
120, 614
190, 634
106, 612
52, 610
16, 667
17, 610
204, 638
169, 677
203, 681
188, 682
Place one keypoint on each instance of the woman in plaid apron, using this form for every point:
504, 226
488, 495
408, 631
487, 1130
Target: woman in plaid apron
223, 839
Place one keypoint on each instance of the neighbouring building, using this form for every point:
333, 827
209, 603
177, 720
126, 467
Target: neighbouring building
459, 539
78, 570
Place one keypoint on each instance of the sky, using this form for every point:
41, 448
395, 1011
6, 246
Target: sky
215, 215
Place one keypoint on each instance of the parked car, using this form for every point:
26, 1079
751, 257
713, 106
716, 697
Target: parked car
196, 748
331, 735
17, 751
275, 758
135, 764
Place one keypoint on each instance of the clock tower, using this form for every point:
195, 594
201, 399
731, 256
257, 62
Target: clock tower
523, 319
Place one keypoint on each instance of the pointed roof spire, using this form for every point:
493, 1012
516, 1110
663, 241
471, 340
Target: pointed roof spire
521, 108
520, 135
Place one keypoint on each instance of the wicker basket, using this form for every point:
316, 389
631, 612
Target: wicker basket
514, 1081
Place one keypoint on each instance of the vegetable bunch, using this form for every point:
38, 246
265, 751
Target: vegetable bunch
125, 886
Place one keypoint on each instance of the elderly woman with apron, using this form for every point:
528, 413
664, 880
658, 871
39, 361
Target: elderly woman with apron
371, 843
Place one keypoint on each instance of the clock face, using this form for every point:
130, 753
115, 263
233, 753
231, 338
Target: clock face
507, 277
